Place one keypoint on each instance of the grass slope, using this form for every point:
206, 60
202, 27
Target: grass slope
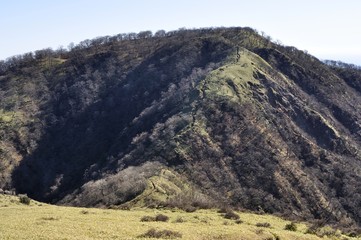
43, 221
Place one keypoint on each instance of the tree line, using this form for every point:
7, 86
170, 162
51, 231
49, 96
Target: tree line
26, 58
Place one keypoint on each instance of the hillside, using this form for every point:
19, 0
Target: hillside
42, 221
214, 116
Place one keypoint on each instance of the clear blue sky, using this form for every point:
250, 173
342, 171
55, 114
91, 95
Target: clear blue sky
328, 29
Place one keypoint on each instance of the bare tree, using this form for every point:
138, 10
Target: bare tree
144, 34
160, 33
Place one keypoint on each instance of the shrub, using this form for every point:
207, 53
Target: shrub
179, 220
352, 231
124, 207
238, 221
291, 227
49, 218
352, 234
84, 212
147, 219
323, 231
152, 233
231, 215
190, 209
276, 237
24, 199
190, 201
224, 210
265, 224
118, 188
161, 218
158, 218
312, 229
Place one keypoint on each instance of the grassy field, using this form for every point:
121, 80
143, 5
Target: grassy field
43, 221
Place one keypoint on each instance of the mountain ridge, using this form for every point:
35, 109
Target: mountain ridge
246, 122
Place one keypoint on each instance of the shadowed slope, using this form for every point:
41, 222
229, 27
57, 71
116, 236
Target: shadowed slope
275, 130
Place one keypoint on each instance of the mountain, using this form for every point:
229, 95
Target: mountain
206, 116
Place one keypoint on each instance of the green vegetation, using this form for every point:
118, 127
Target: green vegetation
43, 221
24, 199
291, 227
264, 224
152, 233
158, 218
324, 231
161, 218
231, 215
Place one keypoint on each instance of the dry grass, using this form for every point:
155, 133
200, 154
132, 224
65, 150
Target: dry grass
42, 221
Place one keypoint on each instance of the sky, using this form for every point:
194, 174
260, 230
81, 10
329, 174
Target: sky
327, 29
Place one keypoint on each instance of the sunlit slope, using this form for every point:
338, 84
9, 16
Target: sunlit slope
42, 221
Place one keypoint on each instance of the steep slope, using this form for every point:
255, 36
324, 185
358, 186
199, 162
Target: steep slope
225, 112
93, 113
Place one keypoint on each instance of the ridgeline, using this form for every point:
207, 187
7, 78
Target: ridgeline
189, 118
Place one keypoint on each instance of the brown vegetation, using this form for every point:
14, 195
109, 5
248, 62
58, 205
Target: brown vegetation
276, 130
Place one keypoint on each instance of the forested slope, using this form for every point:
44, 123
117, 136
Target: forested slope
232, 116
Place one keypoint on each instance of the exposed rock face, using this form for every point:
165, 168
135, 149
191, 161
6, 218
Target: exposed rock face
244, 121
